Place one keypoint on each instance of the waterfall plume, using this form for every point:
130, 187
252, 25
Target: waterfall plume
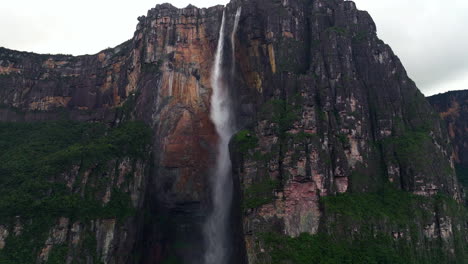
216, 226
233, 40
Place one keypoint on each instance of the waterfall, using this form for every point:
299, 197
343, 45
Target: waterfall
216, 227
233, 40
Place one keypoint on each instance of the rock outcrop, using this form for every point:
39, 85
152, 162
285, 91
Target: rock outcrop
160, 76
337, 148
335, 113
453, 109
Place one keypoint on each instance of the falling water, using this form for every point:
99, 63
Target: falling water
216, 227
233, 40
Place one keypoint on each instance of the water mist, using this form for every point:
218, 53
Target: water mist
217, 225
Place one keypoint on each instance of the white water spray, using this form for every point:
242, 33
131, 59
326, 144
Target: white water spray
233, 40
216, 227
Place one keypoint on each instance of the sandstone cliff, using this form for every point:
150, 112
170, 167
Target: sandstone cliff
453, 109
336, 113
340, 156
160, 76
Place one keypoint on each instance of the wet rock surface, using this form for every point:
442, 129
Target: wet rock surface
327, 111
334, 112
453, 109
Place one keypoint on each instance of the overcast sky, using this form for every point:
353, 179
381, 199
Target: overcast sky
429, 36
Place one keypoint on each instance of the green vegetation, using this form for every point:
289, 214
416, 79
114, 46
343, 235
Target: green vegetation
411, 148
244, 141
260, 193
393, 205
126, 108
322, 115
282, 113
24, 248
324, 249
343, 139
90, 246
58, 255
35, 155
410, 145
354, 231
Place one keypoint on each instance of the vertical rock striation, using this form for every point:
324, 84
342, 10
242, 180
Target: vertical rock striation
453, 109
329, 110
337, 146
162, 77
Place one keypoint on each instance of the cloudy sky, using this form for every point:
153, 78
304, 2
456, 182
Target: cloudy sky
429, 36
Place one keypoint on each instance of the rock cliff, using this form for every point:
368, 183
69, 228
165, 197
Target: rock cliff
338, 119
160, 76
339, 157
453, 109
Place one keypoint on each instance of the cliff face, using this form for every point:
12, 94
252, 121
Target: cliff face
337, 148
453, 109
160, 76
336, 113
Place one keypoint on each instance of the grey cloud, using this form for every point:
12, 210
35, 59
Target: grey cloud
429, 36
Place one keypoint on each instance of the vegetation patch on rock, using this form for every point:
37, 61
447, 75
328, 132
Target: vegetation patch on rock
351, 235
33, 161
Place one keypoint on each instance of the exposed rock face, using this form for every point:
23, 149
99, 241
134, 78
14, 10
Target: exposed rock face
328, 109
453, 108
160, 76
335, 112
